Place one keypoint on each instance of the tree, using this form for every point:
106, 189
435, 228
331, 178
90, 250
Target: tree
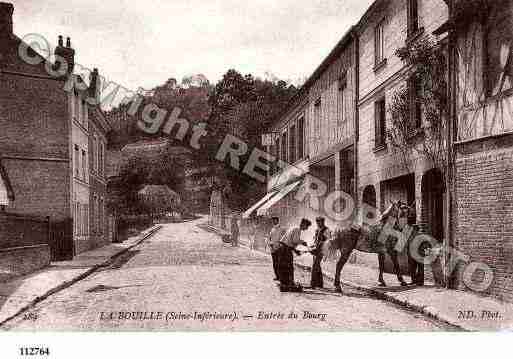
245, 106
426, 61
158, 199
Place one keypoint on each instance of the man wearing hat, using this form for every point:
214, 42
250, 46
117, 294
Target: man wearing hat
288, 244
273, 242
322, 234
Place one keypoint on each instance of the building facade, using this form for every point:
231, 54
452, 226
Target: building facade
99, 216
481, 34
383, 174
45, 137
314, 142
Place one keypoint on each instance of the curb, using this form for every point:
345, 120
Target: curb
428, 311
78, 278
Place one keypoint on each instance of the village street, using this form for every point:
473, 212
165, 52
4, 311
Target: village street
182, 270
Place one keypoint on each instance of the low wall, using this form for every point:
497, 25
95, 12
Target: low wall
22, 231
19, 261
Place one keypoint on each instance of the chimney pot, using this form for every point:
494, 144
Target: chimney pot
68, 42
60, 40
6, 11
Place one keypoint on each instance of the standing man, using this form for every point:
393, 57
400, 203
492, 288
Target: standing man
288, 245
273, 242
234, 226
322, 234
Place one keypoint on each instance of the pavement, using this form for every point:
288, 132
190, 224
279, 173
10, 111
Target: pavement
465, 310
186, 278
20, 294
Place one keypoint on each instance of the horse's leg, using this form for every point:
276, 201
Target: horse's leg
345, 252
397, 269
413, 268
381, 261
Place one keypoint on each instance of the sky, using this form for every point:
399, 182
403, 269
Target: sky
142, 43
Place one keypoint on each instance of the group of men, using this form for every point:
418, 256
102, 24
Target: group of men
283, 245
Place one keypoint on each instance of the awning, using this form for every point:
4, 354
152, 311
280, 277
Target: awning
248, 213
282, 193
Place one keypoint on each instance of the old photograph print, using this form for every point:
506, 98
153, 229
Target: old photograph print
284, 166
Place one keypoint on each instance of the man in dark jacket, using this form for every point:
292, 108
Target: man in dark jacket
322, 234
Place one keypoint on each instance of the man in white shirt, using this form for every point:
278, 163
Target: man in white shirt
288, 244
273, 242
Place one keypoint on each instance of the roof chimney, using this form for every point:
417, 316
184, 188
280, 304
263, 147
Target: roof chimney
94, 85
67, 53
6, 11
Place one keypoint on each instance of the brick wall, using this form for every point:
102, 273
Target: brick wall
34, 140
21, 261
41, 187
33, 117
20, 231
484, 210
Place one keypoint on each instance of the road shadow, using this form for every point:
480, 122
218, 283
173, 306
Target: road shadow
121, 260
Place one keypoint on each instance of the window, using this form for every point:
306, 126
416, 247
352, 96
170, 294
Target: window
83, 111
317, 119
98, 155
92, 215
498, 72
342, 84
73, 105
77, 161
379, 46
102, 159
283, 155
380, 123
413, 17
76, 108
414, 91
84, 165
301, 137
102, 216
292, 144
75, 218
86, 219
86, 112
93, 155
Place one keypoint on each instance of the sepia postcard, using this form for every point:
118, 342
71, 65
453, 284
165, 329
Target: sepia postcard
264, 166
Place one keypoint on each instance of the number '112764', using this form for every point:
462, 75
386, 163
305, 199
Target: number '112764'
34, 351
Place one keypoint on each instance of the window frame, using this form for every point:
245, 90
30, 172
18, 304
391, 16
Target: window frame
76, 155
284, 146
301, 136
379, 43
414, 92
380, 123
413, 25
292, 143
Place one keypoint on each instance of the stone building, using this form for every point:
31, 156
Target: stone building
98, 129
383, 176
45, 137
